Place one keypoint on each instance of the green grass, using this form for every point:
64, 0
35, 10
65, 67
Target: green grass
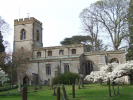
89, 92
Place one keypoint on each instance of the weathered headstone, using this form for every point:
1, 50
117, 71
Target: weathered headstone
48, 82
61, 96
24, 93
0, 83
34, 84
79, 84
45, 82
19, 87
58, 93
52, 85
54, 94
82, 82
64, 93
73, 90
76, 81
40, 84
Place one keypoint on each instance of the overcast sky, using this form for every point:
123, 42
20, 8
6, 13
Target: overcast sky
60, 18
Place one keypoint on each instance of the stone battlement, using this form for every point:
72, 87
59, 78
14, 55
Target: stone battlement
30, 20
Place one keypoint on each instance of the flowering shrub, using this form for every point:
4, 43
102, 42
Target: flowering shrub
111, 71
3, 76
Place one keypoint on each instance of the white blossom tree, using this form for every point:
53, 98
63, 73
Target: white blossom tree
3, 76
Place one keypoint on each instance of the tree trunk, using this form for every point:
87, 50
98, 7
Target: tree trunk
113, 88
118, 88
109, 88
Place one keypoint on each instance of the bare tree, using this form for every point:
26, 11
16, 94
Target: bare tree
18, 63
4, 26
110, 16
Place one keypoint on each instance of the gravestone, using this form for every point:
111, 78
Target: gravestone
0, 83
54, 94
52, 85
64, 92
82, 82
58, 93
24, 93
76, 81
45, 82
73, 90
40, 84
62, 96
34, 84
19, 87
79, 84
48, 83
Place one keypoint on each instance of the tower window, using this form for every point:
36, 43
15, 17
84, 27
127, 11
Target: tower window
61, 52
38, 54
73, 51
23, 35
37, 37
48, 69
49, 53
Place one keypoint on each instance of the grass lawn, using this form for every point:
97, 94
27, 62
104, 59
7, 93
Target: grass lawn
88, 92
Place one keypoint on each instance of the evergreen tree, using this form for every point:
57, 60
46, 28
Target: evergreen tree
2, 48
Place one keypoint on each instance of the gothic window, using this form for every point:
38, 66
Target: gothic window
49, 53
88, 67
38, 54
114, 60
23, 35
48, 69
66, 67
61, 52
73, 51
37, 37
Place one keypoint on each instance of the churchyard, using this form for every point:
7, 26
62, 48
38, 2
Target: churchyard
88, 92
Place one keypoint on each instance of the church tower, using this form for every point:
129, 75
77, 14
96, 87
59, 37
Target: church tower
27, 34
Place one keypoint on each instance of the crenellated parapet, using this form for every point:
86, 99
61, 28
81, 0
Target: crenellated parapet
30, 20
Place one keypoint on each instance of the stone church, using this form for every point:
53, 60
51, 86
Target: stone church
47, 62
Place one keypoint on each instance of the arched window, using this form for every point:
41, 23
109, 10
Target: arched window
38, 54
88, 67
49, 53
48, 69
66, 67
37, 37
23, 35
61, 52
114, 60
73, 51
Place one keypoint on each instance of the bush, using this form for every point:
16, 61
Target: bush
8, 88
65, 78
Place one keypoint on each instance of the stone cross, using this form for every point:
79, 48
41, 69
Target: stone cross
73, 90
24, 93
58, 93
19, 87
54, 94
64, 92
